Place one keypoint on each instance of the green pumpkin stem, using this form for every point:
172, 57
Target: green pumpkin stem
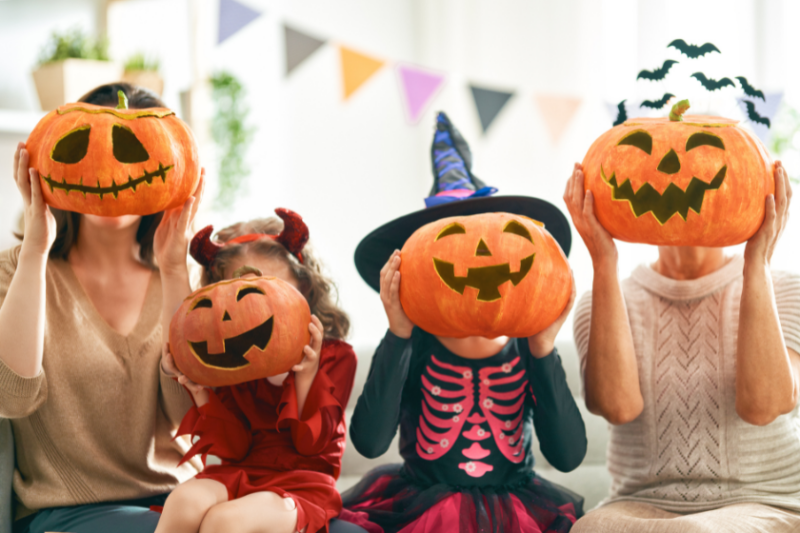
123, 100
246, 269
675, 115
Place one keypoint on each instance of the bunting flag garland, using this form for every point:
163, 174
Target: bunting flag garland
557, 112
419, 86
233, 16
489, 103
357, 68
766, 108
299, 46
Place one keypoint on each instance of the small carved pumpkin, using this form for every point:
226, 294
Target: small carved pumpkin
239, 330
490, 274
110, 162
695, 181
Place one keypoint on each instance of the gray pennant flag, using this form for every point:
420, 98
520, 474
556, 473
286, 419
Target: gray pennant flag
299, 46
489, 103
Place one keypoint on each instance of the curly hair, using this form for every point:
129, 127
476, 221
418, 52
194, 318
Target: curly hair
318, 289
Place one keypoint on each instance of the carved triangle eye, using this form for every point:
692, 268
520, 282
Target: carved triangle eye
72, 147
127, 148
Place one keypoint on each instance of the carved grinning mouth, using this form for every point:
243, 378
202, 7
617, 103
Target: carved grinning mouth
664, 206
113, 189
235, 347
485, 279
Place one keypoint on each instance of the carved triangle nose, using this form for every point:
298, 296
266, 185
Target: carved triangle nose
226, 317
482, 249
670, 164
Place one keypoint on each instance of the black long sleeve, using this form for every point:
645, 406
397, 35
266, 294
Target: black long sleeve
556, 418
377, 412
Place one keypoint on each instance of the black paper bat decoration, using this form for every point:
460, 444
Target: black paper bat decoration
753, 115
657, 74
693, 51
622, 115
749, 90
712, 84
657, 104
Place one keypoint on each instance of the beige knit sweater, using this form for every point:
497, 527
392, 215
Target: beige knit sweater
97, 423
689, 451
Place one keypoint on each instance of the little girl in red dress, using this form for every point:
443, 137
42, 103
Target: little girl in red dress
280, 439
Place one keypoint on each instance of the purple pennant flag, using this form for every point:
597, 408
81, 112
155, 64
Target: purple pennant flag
419, 87
233, 16
767, 109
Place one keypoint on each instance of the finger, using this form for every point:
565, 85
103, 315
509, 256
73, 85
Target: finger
15, 165
310, 354
298, 367
37, 199
198, 195
395, 290
23, 177
316, 334
185, 217
780, 190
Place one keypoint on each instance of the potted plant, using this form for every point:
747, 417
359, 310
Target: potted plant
71, 64
143, 71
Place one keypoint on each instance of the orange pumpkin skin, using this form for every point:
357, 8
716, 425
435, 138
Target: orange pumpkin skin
489, 310
161, 177
728, 215
231, 354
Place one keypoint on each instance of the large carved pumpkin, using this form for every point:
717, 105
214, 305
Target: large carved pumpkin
110, 162
239, 330
699, 181
490, 274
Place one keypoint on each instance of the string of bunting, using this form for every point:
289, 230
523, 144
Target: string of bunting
419, 85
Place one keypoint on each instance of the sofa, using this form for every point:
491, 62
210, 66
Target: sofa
591, 479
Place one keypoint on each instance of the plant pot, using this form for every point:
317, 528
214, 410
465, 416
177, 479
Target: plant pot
66, 81
145, 78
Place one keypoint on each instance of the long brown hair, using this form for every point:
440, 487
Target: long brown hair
68, 222
318, 289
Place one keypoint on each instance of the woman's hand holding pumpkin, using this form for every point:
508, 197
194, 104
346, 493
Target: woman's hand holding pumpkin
399, 323
543, 342
40, 225
199, 392
171, 240
580, 203
760, 247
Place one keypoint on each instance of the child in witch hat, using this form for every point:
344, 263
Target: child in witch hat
478, 479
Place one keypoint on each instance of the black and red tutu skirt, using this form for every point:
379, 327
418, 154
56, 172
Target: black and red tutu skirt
388, 500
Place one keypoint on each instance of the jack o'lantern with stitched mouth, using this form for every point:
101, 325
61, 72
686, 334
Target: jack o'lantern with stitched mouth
683, 181
239, 330
488, 274
110, 162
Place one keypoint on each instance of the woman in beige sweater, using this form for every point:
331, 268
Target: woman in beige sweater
93, 414
694, 362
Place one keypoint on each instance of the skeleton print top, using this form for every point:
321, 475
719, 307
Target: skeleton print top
467, 422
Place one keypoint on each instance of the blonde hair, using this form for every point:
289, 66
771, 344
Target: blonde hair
318, 289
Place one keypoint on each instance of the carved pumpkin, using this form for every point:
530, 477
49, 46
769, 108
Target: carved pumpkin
110, 162
490, 274
239, 330
699, 181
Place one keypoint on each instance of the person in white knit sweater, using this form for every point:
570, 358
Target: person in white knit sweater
694, 362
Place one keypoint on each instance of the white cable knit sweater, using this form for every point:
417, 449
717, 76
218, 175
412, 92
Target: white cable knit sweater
689, 451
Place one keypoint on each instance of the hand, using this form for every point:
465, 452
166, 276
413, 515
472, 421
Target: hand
198, 392
399, 324
310, 363
580, 203
761, 245
172, 236
40, 225
543, 342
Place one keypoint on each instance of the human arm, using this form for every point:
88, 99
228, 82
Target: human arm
306, 370
611, 374
767, 372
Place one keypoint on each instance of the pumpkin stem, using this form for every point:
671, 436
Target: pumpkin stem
246, 269
675, 115
123, 100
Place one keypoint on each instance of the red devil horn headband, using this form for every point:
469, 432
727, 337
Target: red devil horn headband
293, 237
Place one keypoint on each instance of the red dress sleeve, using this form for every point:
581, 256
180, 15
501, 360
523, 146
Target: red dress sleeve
314, 428
220, 431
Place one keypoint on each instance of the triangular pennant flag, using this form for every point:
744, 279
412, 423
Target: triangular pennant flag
419, 87
767, 108
233, 16
557, 111
356, 69
489, 103
299, 46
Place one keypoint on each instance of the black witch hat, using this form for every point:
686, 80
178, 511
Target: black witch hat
456, 192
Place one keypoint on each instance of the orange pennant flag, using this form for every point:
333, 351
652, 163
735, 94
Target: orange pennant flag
557, 112
356, 69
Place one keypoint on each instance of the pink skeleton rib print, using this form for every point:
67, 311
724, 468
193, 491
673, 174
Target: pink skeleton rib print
489, 405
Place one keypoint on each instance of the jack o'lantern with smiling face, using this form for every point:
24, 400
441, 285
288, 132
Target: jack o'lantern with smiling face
240, 330
695, 181
488, 274
109, 162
